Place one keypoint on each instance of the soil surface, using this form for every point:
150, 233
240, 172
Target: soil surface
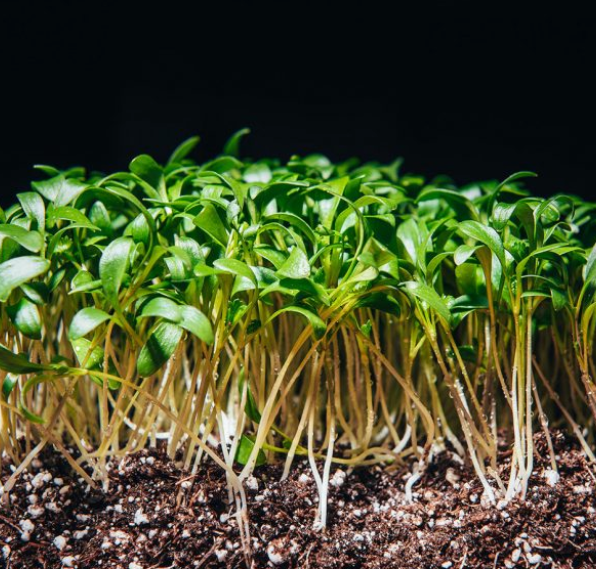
156, 516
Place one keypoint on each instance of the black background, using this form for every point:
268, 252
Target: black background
476, 94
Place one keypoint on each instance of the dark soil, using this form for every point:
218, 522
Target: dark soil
157, 517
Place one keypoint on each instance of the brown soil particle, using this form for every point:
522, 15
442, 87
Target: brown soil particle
156, 516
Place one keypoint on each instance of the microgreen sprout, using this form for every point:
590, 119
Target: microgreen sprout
247, 311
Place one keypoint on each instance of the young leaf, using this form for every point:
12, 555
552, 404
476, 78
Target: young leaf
194, 321
487, 236
296, 265
159, 348
319, 327
244, 451
463, 253
183, 150
68, 213
112, 266
60, 190
147, 169
514, 178
25, 316
250, 408
30, 240
161, 307
85, 321
9, 383
590, 271
456, 200
34, 207
187, 317
210, 222
18, 363
430, 297
91, 360
18, 271
237, 268
232, 146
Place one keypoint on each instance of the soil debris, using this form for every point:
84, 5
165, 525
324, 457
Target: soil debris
150, 518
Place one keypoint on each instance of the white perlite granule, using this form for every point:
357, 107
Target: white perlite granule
60, 542
27, 525
338, 478
551, 477
35, 511
140, 518
252, 484
274, 555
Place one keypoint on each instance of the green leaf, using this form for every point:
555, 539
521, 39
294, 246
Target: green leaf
91, 360
187, 317
220, 166
514, 178
37, 292
100, 217
112, 266
296, 266
296, 222
83, 281
469, 278
147, 169
237, 268
85, 321
18, 271
9, 383
236, 309
30, 240
319, 327
210, 222
139, 229
328, 207
485, 235
462, 206
250, 408
430, 297
412, 235
232, 146
590, 271
59, 190
161, 307
463, 253
256, 173
34, 207
468, 303
183, 150
68, 213
26, 317
94, 361
193, 320
502, 214
18, 363
382, 302
244, 451
159, 348
275, 257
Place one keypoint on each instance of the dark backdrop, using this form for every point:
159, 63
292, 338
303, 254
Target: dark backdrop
475, 95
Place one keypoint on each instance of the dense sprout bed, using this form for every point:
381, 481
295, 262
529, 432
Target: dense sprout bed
245, 311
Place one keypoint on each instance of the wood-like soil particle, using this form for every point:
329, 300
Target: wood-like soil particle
156, 516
